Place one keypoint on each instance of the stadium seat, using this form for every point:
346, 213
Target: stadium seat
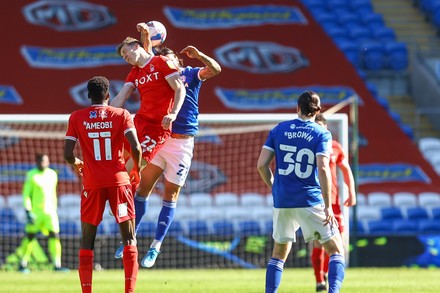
237, 213
177, 228
429, 146
416, 213
252, 200
379, 227
435, 213
7, 215
368, 213
223, 228
379, 199
361, 6
12, 228
325, 18
67, 200
397, 53
391, 213
359, 34
361, 199
268, 227
198, 228
269, 200
350, 50
337, 5
261, 213
429, 199
70, 228
373, 56
429, 226
384, 34
360, 227
3, 202
407, 129
155, 200
347, 18
187, 213
15, 201
314, 4
226, 199
336, 32
200, 199
372, 20
249, 227
404, 199
71, 213
147, 229
405, 226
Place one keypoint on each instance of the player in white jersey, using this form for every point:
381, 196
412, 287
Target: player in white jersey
301, 189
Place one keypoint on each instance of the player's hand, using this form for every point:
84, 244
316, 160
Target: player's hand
78, 166
167, 120
351, 201
142, 27
30, 217
330, 217
191, 52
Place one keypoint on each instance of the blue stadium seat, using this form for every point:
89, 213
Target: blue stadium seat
198, 228
361, 6
313, 4
435, 213
416, 213
391, 213
373, 56
13, 227
347, 18
337, 5
407, 130
325, 18
176, 229
223, 228
429, 226
360, 227
7, 215
147, 229
380, 227
268, 227
397, 53
350, 50
405, 226
69, 228
336, 32
372, 20
360, 34
249, 227
384, 34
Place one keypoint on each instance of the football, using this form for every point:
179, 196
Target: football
158, 32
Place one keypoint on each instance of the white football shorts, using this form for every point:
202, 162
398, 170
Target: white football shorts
287, 221
175, 159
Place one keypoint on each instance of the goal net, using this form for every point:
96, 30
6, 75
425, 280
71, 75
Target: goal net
224, 213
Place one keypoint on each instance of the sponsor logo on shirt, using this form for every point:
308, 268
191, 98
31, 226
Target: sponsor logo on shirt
68, 15
147, 78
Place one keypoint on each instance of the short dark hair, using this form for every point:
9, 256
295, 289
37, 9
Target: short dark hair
127, 41
98, 88
309, 103
166, 51
320, 118
39, 156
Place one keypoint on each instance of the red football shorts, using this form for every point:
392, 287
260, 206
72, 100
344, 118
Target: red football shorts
339, 217
121, 202
151, 137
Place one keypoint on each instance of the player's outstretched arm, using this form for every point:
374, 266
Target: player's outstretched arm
142, 27
122, 96
349, 180
179, 97
211, 69
69, 157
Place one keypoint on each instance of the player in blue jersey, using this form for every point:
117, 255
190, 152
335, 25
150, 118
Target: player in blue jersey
301, 189
174, 158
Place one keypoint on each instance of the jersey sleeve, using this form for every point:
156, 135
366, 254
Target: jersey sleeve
71, 129
167, 67
269, 144
325, 144
130, 79
340, 154
128, 122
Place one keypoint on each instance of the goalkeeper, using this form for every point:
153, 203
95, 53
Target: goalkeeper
40, 203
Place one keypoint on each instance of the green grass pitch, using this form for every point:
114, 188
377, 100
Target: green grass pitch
365, 280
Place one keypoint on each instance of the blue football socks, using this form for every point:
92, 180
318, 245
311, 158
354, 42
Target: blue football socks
165, 219
336, 273
140, 207
274, 273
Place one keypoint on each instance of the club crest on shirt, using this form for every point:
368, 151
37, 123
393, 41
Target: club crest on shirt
151, 67
102, 114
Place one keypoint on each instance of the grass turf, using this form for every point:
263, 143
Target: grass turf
359, 280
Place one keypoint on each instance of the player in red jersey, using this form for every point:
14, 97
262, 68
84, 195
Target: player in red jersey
162, 95
101, 130
337, 159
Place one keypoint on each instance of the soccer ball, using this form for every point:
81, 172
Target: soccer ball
158, 32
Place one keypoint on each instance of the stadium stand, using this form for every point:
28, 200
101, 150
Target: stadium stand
379, 199
404, 199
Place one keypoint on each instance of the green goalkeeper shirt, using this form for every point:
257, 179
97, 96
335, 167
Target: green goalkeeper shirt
40, 191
